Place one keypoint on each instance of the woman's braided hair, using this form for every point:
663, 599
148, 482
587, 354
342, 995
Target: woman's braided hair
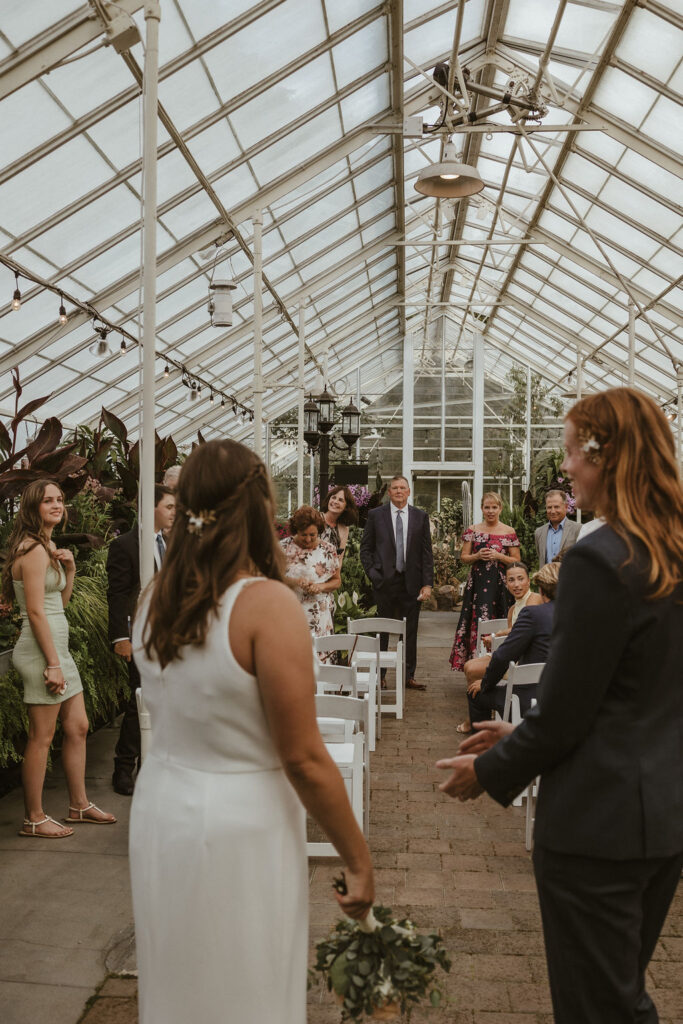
224, 527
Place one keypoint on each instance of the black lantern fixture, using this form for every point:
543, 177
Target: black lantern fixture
311, 424
326, 405
350, 430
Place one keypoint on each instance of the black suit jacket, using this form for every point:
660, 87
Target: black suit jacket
378, 549
607, 732
527, 643
123, 582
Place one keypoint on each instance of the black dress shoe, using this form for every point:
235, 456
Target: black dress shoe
122, 781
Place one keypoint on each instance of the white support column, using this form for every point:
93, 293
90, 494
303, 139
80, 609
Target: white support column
579, 393
358, 406
149, 279
478, 422
311, 480
679, 419
266, 456
408, 403
527, 438
257, 221
443, 393
631, 344
302, 399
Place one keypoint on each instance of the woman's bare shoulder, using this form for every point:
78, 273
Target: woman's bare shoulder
535, 599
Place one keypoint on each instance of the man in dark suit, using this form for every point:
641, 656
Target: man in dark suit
559, 533
123, 588
527, 643
396, 552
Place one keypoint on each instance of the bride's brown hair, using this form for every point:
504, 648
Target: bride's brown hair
629, 437
224, 525
28, 526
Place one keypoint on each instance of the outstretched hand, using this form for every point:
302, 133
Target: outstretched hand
463, 783
485, 735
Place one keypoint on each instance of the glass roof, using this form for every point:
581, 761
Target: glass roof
295, 108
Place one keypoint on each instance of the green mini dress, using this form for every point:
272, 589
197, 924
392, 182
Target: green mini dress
27, 657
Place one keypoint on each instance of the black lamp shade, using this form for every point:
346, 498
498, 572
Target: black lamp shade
326, 406
311, 423
350, 425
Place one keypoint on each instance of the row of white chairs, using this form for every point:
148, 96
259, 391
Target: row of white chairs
521, 675
350, 704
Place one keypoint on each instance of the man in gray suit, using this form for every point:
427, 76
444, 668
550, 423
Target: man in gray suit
559, 533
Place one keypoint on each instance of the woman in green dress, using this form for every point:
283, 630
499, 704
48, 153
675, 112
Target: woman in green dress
41, 577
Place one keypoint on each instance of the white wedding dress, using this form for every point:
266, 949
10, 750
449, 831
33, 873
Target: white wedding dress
217, 847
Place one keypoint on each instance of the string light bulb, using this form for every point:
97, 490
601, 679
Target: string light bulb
167, 372
123, 345
62, 310
223, 402
16, 298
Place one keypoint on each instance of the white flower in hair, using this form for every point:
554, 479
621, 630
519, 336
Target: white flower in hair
196, 523
591, 445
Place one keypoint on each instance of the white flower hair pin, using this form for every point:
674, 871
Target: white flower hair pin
197, 521
590, 446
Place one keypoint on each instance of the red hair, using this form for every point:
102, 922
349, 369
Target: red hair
642, 489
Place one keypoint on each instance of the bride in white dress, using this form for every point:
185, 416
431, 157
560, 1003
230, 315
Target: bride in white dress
217, 838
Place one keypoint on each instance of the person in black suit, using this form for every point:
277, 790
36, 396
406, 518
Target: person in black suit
123, 588
396, 552
605, 735
527, 643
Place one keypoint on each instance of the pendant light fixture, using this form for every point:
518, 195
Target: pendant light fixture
449, 179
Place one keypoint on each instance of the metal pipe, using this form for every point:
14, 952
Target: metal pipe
631, 344
527, 446
507, 98
358, 406
257, 221
149, 278
300, 419
443, 392
478, 420
408, 400
679, 418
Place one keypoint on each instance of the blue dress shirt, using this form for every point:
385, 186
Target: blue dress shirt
554, 540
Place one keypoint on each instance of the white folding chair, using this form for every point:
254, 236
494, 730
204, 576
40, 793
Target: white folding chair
336, 679
395, 659
484, 628
496, 641
519, 675
367, 675
145, 725
351, 757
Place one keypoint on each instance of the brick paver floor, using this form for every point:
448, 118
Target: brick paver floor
457, 868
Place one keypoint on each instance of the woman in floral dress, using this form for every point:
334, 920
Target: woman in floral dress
313, 566
489, 546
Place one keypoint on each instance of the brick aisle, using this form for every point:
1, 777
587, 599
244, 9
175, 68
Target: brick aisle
458, 868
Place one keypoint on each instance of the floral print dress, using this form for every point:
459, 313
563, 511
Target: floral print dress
315, 566
485, 597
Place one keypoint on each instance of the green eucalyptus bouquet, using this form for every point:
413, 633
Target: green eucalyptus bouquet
379, 968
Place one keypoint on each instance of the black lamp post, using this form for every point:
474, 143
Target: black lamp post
318, 423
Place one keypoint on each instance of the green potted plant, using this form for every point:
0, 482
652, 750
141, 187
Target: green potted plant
379, 968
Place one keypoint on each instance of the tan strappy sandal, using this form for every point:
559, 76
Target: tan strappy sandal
33, 825
80, 820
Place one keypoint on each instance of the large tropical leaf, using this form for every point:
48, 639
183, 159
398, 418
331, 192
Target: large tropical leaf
5, 440
49, 436
116, 425
70, 465
13, 481
54, 461
27, 409
170, 453
129, 482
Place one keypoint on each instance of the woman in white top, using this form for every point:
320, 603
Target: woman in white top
519, 585
217, 841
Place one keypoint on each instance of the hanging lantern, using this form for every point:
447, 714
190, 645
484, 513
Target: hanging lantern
220, 303
311, 424
326, 405
350, 430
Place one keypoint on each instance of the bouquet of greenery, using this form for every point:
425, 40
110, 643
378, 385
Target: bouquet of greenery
378, 967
